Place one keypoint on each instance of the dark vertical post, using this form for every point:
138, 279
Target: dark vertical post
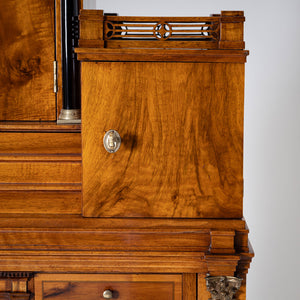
70, 112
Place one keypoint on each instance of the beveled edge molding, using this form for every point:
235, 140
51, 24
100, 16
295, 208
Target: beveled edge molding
223, 287
51, 127
86, 54
103, 261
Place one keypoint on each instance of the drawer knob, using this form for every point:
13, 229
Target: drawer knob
107, 294
112, 141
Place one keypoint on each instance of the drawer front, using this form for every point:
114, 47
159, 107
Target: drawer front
181, 126
122, 287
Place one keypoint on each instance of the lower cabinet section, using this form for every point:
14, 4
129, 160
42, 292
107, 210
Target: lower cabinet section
108, 286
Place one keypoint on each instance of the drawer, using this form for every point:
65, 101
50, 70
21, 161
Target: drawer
122, 286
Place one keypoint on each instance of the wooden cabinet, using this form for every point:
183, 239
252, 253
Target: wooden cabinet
153, 219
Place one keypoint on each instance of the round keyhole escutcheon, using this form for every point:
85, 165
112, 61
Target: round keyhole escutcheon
112, 141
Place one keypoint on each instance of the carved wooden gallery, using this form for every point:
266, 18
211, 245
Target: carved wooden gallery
121, 155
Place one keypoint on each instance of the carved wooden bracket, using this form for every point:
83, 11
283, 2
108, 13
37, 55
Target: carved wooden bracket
15, 285
223, 287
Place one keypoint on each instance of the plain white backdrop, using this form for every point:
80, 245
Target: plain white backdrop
272, 131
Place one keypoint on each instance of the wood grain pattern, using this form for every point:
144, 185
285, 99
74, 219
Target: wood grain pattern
38, 127
26, 60
70, 233
189, 285
50, 221
181, 127
39, 184
153, 55
40, 172
222, 241
232, 30
203, 294
102, 239
41, 202
124, 286
103, 262
37, 143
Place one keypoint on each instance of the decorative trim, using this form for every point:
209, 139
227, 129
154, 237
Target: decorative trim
222, 31
16, 274
14, 296
160, 29
69, 116
15, 285
223, 287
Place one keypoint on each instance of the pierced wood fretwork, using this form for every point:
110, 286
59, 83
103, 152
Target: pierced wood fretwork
161, 29
223, 31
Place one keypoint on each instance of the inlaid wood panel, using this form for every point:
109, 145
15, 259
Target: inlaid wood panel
26, 60
123, 287
181, 126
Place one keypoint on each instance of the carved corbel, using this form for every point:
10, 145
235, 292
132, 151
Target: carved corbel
223, 287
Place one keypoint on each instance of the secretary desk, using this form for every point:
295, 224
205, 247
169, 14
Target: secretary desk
131, 187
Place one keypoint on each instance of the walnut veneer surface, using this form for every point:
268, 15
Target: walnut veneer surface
153, 219
182, 128
26, 59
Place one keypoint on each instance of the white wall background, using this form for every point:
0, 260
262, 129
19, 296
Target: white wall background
272, 131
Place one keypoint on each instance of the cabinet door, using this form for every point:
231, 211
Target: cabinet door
181, 126
27, 52
121, 286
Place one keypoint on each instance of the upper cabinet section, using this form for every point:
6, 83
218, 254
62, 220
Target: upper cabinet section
171, 91
27, 53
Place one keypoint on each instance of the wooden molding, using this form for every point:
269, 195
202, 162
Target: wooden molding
221, 265
15, 285
222, 241
219, 56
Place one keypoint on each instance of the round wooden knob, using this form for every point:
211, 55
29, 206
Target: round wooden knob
107, 294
